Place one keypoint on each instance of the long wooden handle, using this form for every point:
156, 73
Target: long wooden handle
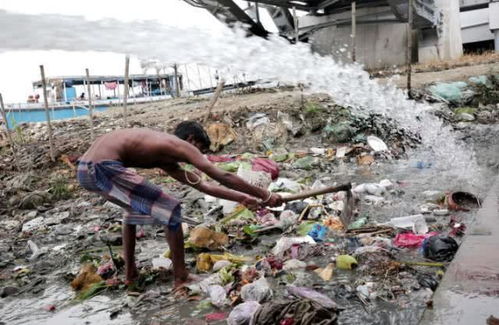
305, 194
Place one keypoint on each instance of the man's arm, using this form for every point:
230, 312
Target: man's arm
195, 181
193, 156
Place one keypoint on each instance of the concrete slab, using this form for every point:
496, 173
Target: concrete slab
469, 291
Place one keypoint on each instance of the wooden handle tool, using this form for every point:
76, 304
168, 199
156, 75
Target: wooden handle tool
306, 194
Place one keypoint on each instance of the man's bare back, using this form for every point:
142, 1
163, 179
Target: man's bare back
142, 148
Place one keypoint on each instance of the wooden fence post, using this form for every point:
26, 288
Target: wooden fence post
47, 114
90, 107
125, 97
9, 137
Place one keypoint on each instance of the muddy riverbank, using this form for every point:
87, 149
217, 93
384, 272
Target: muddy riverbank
51, 227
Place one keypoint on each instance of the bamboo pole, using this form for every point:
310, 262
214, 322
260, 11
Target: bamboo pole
409, 47
90, 107
125, 96
354, 29
214, 99
9, 136
47, 115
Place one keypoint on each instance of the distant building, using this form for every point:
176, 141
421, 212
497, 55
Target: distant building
442, 29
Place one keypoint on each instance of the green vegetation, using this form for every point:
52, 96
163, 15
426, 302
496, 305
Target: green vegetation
60, 189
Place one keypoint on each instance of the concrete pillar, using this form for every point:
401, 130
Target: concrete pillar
494, 21
450, 43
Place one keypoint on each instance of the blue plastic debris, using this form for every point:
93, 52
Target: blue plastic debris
318, 232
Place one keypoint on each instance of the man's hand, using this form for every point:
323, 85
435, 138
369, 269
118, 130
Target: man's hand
275, 200
250, 202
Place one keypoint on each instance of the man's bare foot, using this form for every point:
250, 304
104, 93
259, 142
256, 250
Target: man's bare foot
181, 282
131, 275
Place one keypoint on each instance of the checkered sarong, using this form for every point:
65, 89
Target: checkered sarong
144, 202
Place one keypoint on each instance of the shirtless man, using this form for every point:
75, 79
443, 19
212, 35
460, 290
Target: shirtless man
103, 169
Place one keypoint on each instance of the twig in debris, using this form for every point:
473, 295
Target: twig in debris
115, 262
432, 264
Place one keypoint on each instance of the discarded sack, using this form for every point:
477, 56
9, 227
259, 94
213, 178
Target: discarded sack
206, 238
311, 294
297, 312
440, 248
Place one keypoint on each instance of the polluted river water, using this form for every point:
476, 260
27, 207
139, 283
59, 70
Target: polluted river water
453, 164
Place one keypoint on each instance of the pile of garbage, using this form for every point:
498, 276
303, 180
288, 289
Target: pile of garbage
314, 260
474, 100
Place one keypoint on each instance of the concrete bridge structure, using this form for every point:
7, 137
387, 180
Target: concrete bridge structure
439, 30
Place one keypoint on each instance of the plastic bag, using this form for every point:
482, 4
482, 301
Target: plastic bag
266, 165
346, 262
218, 296
307, 163
285, 243
256, 291
294, 264
287, 219
243, 313
318, 232
409, 239
440, 248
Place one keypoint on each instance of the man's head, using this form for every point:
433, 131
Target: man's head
193, 133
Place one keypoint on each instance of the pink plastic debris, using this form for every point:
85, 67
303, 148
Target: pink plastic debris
410, 239
266, 165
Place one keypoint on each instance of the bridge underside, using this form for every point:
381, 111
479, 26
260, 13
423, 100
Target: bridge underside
280, 11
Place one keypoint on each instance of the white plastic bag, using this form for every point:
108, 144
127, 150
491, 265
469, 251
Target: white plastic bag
256, 291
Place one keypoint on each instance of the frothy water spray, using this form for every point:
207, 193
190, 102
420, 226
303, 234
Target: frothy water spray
347, 84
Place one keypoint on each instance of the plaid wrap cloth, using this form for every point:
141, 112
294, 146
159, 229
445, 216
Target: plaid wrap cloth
144, 202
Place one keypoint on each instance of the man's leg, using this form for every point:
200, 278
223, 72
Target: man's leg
129, 252
175, 239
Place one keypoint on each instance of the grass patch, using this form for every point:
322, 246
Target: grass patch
313, 108
60, 189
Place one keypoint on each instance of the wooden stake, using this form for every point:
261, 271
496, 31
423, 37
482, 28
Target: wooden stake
354, 29
47, 115
409, 46
9, 137
214, 99
125, 97
177, 88
90, 107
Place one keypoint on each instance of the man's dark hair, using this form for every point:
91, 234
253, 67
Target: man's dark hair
186, 128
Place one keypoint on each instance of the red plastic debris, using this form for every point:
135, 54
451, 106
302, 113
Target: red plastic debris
287, 321
275, 263
266, 165
409, 239
49, 308
213, 317
140, 234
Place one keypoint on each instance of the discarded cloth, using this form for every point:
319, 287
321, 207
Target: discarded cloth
145, 202
298, 312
